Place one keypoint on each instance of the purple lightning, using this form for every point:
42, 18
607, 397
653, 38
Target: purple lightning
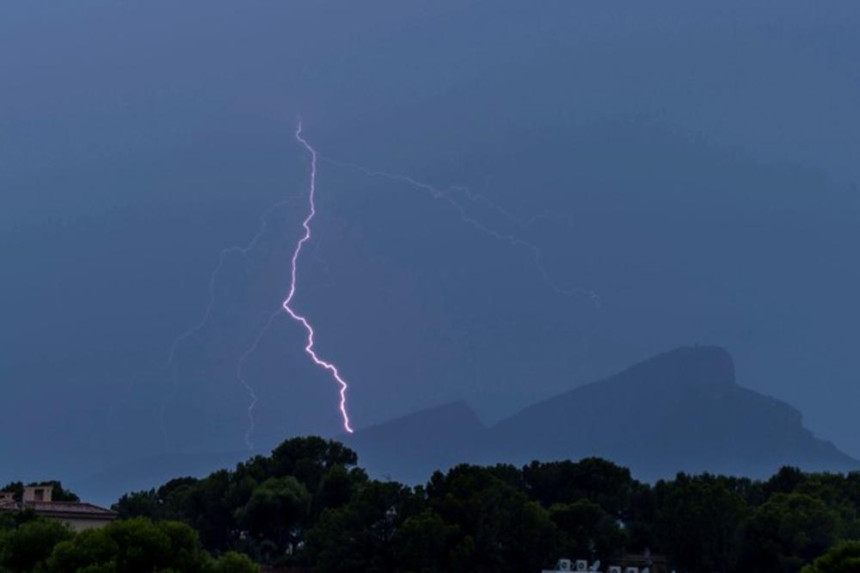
309, 347
286, 305
448, 195
243, 251
240, 376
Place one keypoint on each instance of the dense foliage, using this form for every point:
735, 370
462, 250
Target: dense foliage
308, 505
28, 545
843, 558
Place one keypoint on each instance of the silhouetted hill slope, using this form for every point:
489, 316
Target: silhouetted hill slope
679, 411
414, 446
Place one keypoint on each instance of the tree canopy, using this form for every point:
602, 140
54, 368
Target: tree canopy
309, 505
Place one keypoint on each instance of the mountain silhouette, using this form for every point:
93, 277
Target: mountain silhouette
679, 411
412, 447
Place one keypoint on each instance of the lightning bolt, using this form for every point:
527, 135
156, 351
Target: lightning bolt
460, 199
286, 306
448, 195
240, 376
294, 262
243, 251
240, 370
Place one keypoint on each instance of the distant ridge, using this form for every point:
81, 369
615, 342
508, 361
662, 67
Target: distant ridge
678, 411
411, 447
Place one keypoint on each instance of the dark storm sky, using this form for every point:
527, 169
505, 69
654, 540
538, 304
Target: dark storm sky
702, 160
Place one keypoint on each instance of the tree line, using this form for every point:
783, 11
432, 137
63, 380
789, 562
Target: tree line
310, 506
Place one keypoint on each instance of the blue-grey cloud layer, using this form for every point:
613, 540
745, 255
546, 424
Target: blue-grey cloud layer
705, 157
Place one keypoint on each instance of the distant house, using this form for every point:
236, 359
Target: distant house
77, 515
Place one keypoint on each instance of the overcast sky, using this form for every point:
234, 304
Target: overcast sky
693, 164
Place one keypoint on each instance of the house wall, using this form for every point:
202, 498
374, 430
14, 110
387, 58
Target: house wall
81, 524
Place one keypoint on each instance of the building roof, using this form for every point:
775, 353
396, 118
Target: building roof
60, 509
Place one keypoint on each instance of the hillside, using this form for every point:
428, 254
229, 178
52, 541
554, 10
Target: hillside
679, 411
412, 447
